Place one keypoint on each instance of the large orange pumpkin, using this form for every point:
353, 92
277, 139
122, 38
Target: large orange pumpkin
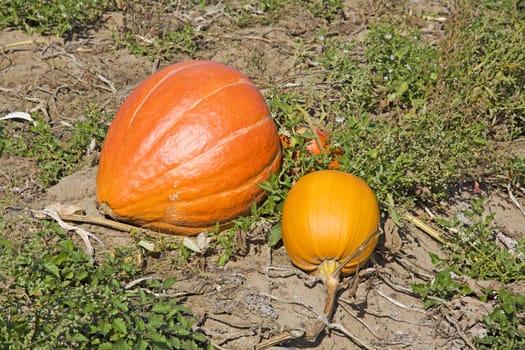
327, 216
186, 150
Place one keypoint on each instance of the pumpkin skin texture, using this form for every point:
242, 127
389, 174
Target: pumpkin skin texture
327, 215
186, 150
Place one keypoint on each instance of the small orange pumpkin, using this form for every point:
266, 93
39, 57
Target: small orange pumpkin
330, 227
327, 216
186, 150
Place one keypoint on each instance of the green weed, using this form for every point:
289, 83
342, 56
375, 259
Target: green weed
53, 297
56, 157
442, 287
402, 68
474, 250
484, 65
249, 13
162, 35
504, 323
163, 46
53, 17
395, 125
327, 9
517, 171
226, 241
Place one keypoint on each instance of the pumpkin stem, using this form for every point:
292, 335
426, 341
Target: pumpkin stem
332, 286
326, 269
330, 273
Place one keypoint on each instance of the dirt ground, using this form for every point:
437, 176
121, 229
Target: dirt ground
259, 294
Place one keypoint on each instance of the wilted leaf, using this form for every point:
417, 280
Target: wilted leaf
191, 245
203, 241
149, 246
19, 115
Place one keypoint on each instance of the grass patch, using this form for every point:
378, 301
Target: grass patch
54, 297
504, 323
56, 156
62, 17
164, 34
249, 13
387, 118
485, 60
475, 252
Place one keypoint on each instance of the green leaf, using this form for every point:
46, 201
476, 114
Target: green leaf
141, 345
479, 140
223, 258
162, 308
156, 321
52, 269
267, 186
181, 331
80, 338
81, 275
168, 282
119, 325
182, 309
434, 258
372, 153
275, 235
121, 345
443, 222
158, 338
421, 289
66, 245
199, 337
175, 343
5, 243
401, 88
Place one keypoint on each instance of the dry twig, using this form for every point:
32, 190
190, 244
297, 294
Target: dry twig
400, 304
358, 319
425, 228
347, 333
514, 200
460, 332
